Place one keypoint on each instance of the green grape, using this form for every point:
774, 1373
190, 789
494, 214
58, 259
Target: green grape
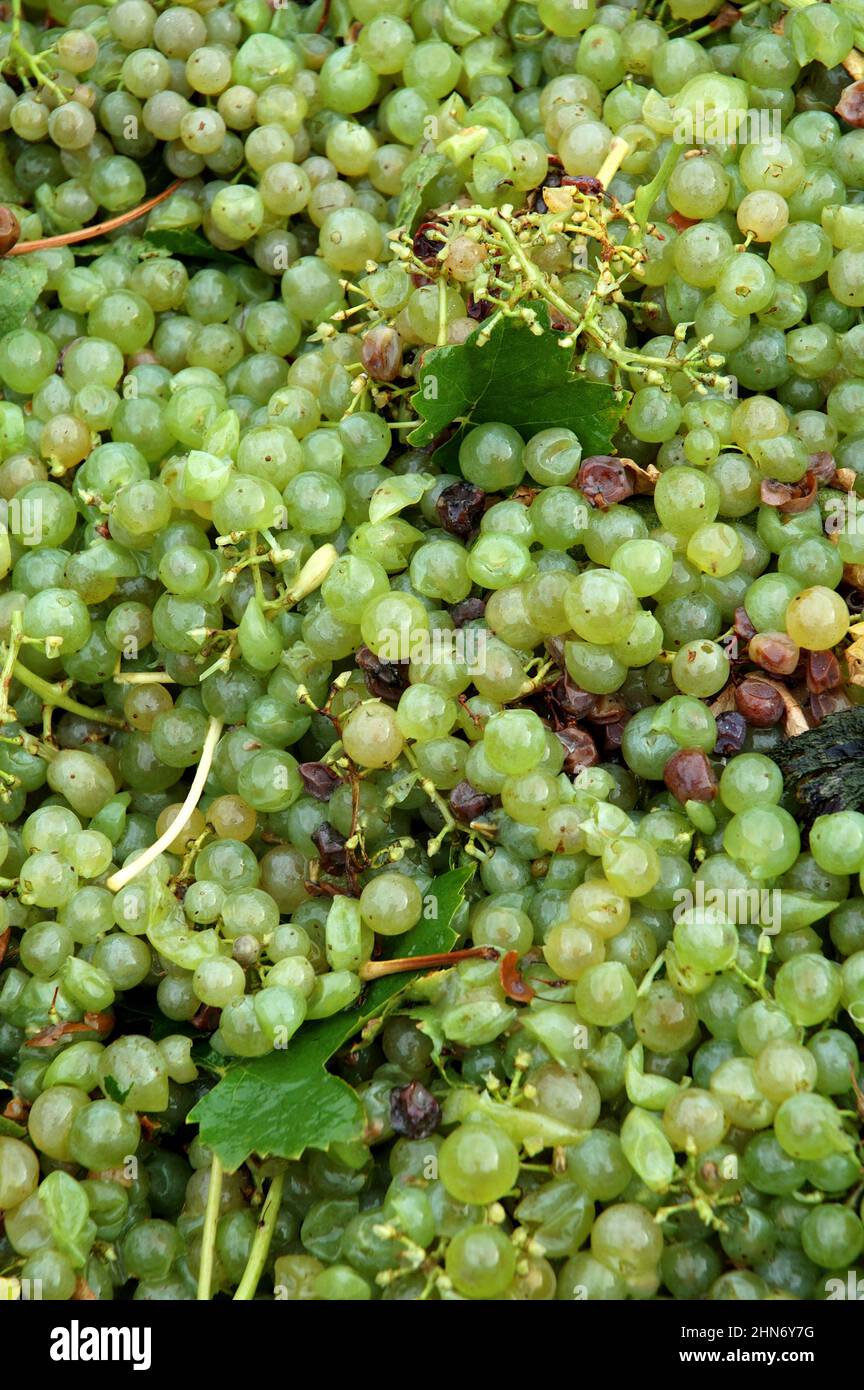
478, 1163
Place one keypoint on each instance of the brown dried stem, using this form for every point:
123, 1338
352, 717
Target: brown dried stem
98, 228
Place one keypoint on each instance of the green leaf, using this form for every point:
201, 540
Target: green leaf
67, 1209
519, 378
22, 280
190, 244
287, 1102
418, 175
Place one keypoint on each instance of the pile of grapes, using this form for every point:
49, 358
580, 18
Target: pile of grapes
431, 444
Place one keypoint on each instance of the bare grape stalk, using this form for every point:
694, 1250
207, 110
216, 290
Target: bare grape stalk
606, 243
125, 875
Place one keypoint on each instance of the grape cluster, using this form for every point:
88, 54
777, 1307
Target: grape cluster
268, 672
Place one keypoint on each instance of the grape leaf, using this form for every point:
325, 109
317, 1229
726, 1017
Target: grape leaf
287, 1102
22, 280
198, 248
519, 378
417, 177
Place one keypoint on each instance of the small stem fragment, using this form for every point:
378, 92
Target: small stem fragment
261, 1244
208, 1238
54, 695
618, 152
130, 871
98, 229
15, 633
377, 969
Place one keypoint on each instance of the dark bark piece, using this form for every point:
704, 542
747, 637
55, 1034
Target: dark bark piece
823, 766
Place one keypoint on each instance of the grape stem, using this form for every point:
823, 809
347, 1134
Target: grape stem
648, 194
15, 633
130, 871
618, 152
248, 1285
437, 800
22, 248
707, 29
377, 969
648, 978
208, 1237
55, 695
757, 984
32, 61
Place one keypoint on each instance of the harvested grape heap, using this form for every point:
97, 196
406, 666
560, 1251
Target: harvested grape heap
431, 729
